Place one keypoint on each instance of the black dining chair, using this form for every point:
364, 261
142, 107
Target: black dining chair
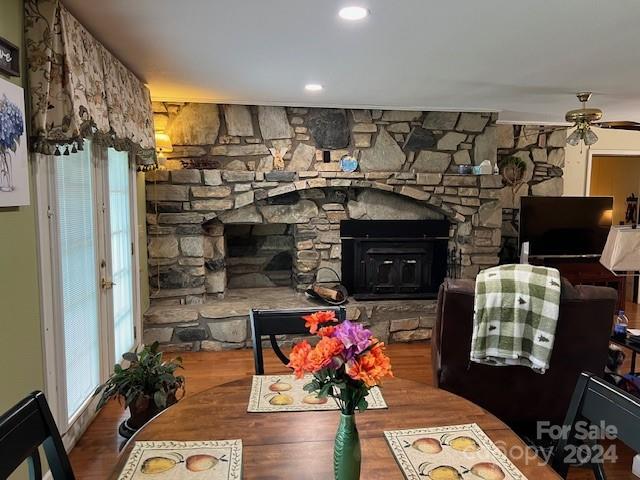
596, 403
23, 429
281, 322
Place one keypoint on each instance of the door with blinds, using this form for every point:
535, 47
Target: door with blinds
118, 274
91, 219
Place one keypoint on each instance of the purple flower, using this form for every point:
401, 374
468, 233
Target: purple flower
355, 338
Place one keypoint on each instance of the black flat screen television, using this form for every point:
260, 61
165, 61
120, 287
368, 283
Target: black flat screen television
559, 226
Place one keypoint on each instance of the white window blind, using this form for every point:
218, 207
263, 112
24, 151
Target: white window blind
121, 251
74, 195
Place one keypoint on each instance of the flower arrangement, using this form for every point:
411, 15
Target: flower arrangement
346, 362
11, 129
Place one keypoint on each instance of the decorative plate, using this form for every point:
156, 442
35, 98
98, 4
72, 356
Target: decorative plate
348, 164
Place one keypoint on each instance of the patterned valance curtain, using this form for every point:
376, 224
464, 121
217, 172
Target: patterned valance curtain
79, 90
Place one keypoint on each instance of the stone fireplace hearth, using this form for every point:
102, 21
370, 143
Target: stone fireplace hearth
254, 197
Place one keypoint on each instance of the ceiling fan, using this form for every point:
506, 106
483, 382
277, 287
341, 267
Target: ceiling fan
584, 118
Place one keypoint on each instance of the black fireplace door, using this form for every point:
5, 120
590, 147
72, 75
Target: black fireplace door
396, 270
394, 259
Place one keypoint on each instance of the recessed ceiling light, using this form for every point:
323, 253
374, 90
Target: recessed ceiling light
313, 87
353, 13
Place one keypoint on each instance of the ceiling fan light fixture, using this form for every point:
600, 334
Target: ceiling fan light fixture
582, 118
574, 138
590, 137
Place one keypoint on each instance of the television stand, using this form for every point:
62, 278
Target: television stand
585, 271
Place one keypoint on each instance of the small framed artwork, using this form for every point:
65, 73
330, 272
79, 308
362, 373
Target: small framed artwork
14, 168
9, 58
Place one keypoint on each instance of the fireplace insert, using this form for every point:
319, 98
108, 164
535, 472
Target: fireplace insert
394, 258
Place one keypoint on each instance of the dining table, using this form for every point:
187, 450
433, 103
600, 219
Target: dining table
299, 445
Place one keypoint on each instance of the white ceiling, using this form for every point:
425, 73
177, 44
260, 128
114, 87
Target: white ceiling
525, 59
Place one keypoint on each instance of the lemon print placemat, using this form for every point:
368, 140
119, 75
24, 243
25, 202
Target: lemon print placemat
449, 453
212, 460
285, 393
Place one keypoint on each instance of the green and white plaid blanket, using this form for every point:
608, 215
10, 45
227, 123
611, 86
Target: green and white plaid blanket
515, 316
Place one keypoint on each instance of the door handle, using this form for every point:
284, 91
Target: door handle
106, 284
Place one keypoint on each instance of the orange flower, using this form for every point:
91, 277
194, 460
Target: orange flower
321, 356
326, 331
298, 358
324, 316
371, 367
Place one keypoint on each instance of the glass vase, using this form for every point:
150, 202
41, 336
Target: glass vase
6, 175
346, 449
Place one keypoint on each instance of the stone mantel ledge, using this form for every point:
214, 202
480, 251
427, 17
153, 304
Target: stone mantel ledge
214, 192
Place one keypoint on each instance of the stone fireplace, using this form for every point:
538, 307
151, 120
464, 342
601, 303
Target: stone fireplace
254, 207
293, 238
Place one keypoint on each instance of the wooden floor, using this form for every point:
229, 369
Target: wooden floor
96, 453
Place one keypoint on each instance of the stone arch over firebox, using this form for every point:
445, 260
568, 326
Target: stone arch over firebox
313, 217
249, 203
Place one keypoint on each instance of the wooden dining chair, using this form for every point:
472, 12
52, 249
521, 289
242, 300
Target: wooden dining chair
597, 403
281, 322
23, 429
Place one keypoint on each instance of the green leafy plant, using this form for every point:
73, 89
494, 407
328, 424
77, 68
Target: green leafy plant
147, 376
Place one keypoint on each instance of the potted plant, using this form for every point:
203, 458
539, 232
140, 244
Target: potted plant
147, 386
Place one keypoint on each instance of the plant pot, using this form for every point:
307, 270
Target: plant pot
144, 409
346, 449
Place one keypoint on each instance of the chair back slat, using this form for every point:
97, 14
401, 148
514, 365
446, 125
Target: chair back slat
35, 467
608, 405
600, 404
23, 429
271, 323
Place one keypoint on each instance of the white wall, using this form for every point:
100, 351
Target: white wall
575, 168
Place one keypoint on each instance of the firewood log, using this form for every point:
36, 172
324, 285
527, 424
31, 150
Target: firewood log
327, 292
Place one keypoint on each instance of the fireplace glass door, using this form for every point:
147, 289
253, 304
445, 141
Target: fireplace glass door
391, 270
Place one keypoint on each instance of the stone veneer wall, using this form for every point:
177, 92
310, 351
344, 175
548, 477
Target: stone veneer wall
263, 168
543, 152
266, 165
225, 325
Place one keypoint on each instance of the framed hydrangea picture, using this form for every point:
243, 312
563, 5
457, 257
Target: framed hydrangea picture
14, 168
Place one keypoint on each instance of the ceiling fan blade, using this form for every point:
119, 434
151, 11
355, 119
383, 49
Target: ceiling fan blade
621, 125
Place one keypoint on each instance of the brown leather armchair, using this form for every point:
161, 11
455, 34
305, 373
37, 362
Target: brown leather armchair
515, 394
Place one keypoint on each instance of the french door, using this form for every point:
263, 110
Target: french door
89, 254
